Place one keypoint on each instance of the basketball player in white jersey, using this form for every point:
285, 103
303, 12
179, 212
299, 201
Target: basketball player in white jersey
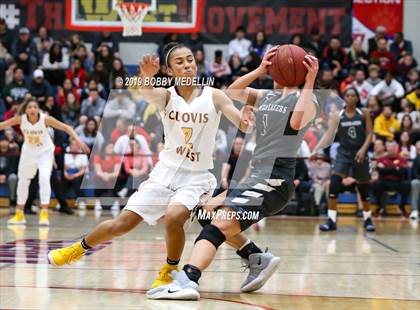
37, 154
190, 116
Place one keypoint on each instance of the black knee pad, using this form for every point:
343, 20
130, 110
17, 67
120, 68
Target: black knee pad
364, 189
336, 185
212, 234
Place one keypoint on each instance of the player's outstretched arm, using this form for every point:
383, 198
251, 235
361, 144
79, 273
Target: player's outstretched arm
52, 122
10, 122
244, 121
239, 89
149, 67
306, 108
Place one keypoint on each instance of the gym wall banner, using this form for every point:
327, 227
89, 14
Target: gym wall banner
368, 14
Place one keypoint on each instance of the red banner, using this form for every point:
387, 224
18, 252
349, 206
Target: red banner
372, 13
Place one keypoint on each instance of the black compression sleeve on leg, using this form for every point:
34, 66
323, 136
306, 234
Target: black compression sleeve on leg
364, 191
250, 248
212, 234
192, 272
335, 185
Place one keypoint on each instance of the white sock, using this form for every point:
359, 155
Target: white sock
332, 214
245, 244
366, 215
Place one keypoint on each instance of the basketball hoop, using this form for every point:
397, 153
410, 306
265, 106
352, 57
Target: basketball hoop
132, 16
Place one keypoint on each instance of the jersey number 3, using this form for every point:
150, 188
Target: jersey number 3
188, 132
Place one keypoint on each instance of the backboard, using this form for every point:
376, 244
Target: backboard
164, 15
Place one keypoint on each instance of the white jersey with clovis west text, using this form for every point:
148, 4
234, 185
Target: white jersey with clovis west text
36, 136
190, 131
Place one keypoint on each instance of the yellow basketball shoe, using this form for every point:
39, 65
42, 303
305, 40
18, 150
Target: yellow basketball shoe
68, 255
17, 219
43, 218
164, 276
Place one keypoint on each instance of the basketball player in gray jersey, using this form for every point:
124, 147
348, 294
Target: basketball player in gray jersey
354, 134
282, 119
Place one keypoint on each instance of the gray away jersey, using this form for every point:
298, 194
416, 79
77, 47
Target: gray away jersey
275, 138
351, 132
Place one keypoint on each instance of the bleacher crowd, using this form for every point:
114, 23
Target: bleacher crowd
77, 85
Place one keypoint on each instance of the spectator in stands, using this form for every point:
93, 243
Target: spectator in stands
5, 60
404, 65
302, 186
252, 61
319, 172
406, 149
122, 146
412, 80
194, 42
260, 45
17, 89
90, 135
121, 106
335, 58
50, 107
362, 86
409, 117
392, 170
105, 56
400, 47
374, 107
240, 45
106, 38
101, 76
237, 167
70, 110
373, 42
386, 125
378, 149
327, 80
66, 89
383, 56
75, 167
24, 51
373, 71
86, 60
6, 35
415, 185
357, 57
42, 42
315, 42
121, 128
202, 70
106, 179
74, 43
92, 83
93, 106
118, 71
55, 64
296, 39
77, 74
136, 168
414, 97
8, 169
39, 88
237, 67
219, 69
388, 90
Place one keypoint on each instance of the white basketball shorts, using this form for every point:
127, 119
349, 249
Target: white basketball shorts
167, 185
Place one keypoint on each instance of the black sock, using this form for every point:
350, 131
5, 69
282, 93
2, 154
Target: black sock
172, 262
193, 273
84, 244
249, 249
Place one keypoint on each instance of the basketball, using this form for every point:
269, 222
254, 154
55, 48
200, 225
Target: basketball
287, 68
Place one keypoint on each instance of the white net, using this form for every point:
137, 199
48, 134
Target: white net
132, 17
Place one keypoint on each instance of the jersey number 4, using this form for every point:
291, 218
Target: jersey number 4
188, 132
